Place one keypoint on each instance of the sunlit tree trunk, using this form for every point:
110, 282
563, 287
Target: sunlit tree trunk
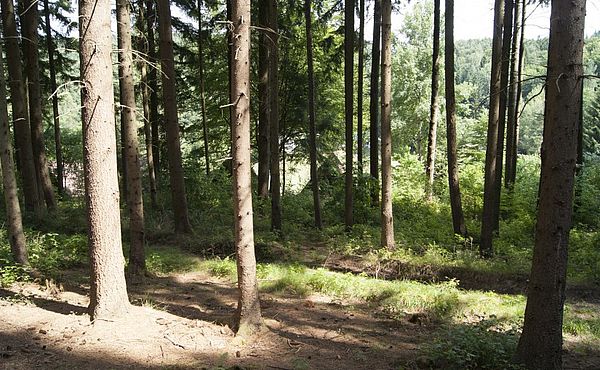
540, 345
513, 109
374, 105
434, 107
248, 315
178, 194
458, 219
16, 237
202, 93
153, 86
349, 110
359, 105
108, 294
265, 38
274, 118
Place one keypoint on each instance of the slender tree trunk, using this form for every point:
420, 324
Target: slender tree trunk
433, 116
202, 95
274, 118
108, 293
540, 345
519, 90
349, 110
55, 112
264, 48
489, 191
374, 105
314, 173
458, 219
16, 236
137, 255
513, 111
248, 316
387, 216
20, 115
359, 108
178, 195
153, 86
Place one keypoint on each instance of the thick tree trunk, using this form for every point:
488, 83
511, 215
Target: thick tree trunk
248, 316
108, 293
458, 219
274, 118
153, 86
513, 110
137, 255
29, 24
202, 95
540, 345
20, 114
359, 105
349, 110
60, 176
314, 173
16, 237
374, 105
489, 191
265, 38
178, 195
387, 216
433, 110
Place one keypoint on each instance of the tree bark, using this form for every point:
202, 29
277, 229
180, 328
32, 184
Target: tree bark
458, 219
137, 255
16, 237
153, 86
433, 110
513, 110
202, 92
108, 294
274, 118
20, 114
359, 105
489, 192
314, 173
349, 110
265, 38
374, 105
387, 216
60, 176
177, 182
248, 315
540, 345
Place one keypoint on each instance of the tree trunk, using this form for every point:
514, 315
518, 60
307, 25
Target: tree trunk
178, 195
274, 118
349, 110
248, 316
359, 106
314, 173
458, 219
433, 117
264, 48
16, 236
60, 176
387, 216
108, 293
20, 115
137, 255
153, 85
513, 110
540, 345
374, 106
202, 95
489, 191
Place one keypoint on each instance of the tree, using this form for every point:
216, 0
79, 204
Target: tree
178, 195
202, 96
387, 216
29, 25
263, 99
137, 256
540, 345
153, 86
314, 176
16, 236
248, 316
458, 219
108, 293
433, 115
489, 190
20, 115
374, 105
274, 144
359, 105
349, 108
55, 112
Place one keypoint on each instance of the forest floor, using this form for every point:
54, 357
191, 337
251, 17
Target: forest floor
181, 321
